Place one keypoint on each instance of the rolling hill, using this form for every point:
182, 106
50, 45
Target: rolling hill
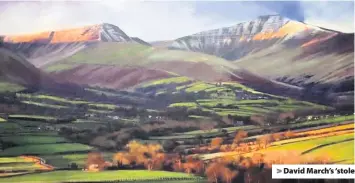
104, 56
47, 47
16, 73
269, 43
315, 58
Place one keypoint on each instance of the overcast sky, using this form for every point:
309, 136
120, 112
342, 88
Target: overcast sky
166, 20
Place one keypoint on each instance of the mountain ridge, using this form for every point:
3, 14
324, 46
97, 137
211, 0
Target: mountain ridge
96, 32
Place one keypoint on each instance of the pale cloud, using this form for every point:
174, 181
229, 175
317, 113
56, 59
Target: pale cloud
336, 15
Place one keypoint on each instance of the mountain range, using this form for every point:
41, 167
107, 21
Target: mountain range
271, 54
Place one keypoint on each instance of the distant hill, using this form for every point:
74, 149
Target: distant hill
46, 47
140, 41
271, 54
318, 59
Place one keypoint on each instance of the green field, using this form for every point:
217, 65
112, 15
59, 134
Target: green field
117, 175
28, 139
173, 80
18, 166
10, 87
196, 87
339, 148
230, 129
12, 160
45, 105
215, 132
132, 54
104, 106
62, 161
6, 127
32, 117
342, 152
329, 120
51, 98
189, 105
44, 149
313, 143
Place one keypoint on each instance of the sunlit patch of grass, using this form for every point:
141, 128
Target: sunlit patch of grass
62, 161
173, 80
45, 105
105, 106
44, 149
184, 104
24, 140
99, 111
117, 175
32, 117
10, 87
308, 144
53, 98
198, 86
229, 129
13, 160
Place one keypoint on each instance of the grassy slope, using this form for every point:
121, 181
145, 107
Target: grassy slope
52, 98
10, 87
19, 166
44, 149
17, 163
31, 116
222, 98
270, 60
311, 146
62, 161
13, 160
130, 54
26, 140
81, 176
215, 132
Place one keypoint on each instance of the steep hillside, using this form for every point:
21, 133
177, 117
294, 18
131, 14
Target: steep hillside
16, 73
100, 32
272, 42
246, 38
102, 55
46, 47
122, 65
318, 59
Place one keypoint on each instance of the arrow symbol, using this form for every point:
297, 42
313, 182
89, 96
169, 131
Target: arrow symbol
278, 170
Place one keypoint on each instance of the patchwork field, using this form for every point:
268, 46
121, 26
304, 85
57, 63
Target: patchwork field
254, 128
19, 164
336, 147
120, 175
62, 161
27, 139
41, 149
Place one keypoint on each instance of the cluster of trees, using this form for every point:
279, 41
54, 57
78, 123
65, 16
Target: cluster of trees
226, 169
